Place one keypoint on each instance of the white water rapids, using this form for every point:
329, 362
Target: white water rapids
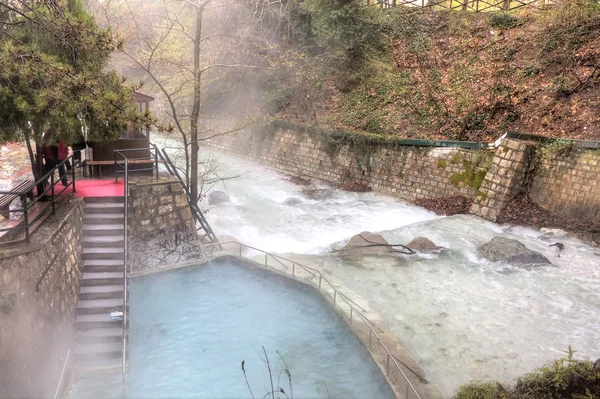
461, 317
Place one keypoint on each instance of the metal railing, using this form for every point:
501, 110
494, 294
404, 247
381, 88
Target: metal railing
49, 193
125, 165
196, 212
121, 161
352, 312
62, 379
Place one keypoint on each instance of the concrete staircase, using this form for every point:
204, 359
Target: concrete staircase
99, 340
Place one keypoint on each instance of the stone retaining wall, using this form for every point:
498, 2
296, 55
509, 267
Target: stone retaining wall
566, 184
39, 283
409, 173
505, 179
162, 230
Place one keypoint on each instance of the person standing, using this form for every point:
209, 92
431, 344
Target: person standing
63, 154
49, 154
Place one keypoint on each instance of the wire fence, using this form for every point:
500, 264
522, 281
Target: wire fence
466, 5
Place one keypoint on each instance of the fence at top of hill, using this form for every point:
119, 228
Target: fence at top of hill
466, 5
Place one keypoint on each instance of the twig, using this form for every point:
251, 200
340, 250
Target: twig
289, 374
328, 395
246, 378
374, 244
270, 373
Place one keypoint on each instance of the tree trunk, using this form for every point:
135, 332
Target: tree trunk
35, 159
196, 107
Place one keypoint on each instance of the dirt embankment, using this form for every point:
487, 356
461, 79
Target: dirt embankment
467, 76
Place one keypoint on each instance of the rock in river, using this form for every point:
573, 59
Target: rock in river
217, 197
501, 249
422, 244
367, 243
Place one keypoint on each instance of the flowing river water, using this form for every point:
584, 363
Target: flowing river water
461, 317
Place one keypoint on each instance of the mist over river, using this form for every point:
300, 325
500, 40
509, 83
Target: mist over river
461, 317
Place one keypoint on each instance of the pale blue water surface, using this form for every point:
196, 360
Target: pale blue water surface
191, 328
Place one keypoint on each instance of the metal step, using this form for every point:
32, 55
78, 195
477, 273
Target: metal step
105, 350
92, 239
103, 229
104, 218
102, 200
98, 364
103, 268
100, 262
103, 278
103, 253
91, 209
90, 321
101, 305
99, 335
100, 292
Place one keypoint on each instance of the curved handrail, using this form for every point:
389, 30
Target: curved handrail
314, 272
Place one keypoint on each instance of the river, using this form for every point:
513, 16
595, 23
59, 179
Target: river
460, 316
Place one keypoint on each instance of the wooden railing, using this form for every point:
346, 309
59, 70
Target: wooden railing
466, 5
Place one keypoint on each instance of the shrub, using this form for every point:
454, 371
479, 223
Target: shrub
565, 378
481, 390
504, 20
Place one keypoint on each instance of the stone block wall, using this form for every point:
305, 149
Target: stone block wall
505, 179
568, 183
406, 172
161, 229
39, 283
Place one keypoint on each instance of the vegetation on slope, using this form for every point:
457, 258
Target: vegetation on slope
414, 72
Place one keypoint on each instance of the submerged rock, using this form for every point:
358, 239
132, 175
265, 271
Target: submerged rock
501, 249
422, 244
293, 201
217, 197
317, 194
367, 243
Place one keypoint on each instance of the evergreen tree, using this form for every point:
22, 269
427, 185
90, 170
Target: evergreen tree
53, 77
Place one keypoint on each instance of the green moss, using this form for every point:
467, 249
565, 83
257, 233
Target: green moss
481, 195
456, 158
442, 163
471, 175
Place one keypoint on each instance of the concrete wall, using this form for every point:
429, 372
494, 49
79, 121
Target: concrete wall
406, 172
39, 283
563, 183
162, 232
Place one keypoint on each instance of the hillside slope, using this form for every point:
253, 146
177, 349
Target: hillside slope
458, 75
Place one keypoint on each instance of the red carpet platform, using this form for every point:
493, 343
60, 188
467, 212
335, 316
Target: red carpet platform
98, 188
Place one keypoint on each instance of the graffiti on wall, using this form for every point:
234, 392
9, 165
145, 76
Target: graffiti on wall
164, 247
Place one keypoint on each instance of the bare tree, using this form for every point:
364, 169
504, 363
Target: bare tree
184, 47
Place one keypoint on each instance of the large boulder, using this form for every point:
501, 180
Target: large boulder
217, 197
422, 244
501, 249
367, 243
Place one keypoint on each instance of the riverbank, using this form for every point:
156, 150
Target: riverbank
558, 180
